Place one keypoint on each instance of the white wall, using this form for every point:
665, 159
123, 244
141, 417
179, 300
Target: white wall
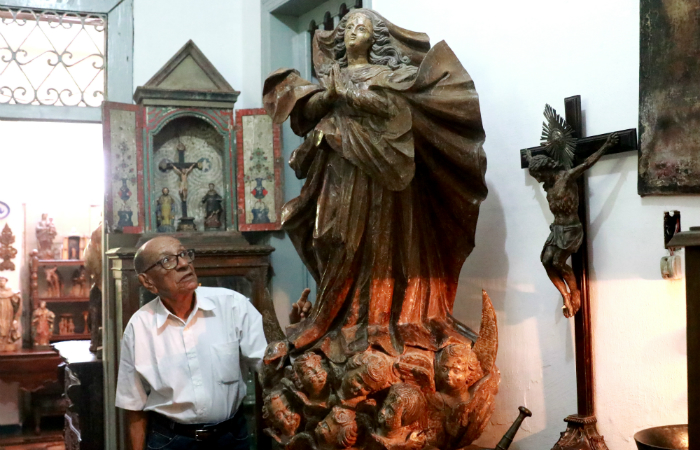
227, 32
521, 56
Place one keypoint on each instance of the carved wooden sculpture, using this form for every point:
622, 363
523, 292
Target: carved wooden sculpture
45, 234
10, 316
7, 251
559, 178
394, 170
42, 325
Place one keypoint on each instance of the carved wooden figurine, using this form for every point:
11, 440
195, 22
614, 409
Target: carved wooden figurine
10, 316
54, 283
7, 251
42, 325
558, 176
213, 207
80, 283
93, 265
45, 234
394, 170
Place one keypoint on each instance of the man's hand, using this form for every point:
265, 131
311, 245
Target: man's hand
301, 308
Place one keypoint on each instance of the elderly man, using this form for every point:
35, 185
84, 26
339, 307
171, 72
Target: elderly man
179, 375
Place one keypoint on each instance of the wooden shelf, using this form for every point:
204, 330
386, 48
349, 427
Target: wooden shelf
62, 299
61, 262
69, 337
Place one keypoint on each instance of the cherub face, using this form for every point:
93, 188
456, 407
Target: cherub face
389, 416
327, 431
285, 420
313, 377
354, 385
359, 33
454, 372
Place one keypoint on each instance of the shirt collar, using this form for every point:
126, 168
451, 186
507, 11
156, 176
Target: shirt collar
200, 302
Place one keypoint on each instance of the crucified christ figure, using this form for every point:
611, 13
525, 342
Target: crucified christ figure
566, 231
183, 173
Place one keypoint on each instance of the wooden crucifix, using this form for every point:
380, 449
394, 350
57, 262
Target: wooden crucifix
576, 153
183, 170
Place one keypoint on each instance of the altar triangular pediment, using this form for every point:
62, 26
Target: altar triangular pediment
188, 76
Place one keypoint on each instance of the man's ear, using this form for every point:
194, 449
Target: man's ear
146, 282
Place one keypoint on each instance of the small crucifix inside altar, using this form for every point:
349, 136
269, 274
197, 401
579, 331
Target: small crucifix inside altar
559, 163
183, 170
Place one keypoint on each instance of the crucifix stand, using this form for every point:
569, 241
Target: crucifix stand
183, 170
581, 431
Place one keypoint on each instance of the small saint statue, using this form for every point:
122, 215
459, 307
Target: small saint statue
80, 283
42, 325
45, 234
213, 206
164, 211
10, 315
559, 177
54, 283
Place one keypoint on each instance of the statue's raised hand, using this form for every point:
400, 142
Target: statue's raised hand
301, 308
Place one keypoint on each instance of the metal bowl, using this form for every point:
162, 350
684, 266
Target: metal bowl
669, 437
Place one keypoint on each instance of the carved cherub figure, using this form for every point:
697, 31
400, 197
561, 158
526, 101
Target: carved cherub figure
366, 373
54, 284
402, 419
274, 359
338, 430
559, 181
313, 377
278, 412
457, 369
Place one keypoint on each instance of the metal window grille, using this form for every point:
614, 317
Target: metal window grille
52, 57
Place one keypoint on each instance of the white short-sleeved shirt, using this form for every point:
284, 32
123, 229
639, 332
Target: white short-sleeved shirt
189, 370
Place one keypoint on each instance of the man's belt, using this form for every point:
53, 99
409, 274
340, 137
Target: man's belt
199, 432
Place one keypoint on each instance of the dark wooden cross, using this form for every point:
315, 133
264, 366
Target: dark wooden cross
582, 425
183, 170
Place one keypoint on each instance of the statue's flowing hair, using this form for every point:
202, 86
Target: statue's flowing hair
382, 52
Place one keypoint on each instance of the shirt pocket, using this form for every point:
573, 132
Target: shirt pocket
227, 368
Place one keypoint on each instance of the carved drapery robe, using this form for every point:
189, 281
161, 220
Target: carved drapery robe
388, 212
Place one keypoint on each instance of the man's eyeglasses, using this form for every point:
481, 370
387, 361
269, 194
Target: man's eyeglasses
169, 262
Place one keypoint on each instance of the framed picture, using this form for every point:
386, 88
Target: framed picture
259, 181
669, 86
123, 155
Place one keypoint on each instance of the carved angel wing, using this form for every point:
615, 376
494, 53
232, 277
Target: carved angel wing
486, 347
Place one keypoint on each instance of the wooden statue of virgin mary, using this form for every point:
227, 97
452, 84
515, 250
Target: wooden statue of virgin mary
394, 170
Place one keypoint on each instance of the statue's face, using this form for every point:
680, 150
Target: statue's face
327, 431
211, 185
454, 372
286, 420
3, 282
165, 191
359, 33
313, 377
44, 216
354, 385
389, 416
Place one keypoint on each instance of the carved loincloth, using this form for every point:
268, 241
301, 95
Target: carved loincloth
565, 237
